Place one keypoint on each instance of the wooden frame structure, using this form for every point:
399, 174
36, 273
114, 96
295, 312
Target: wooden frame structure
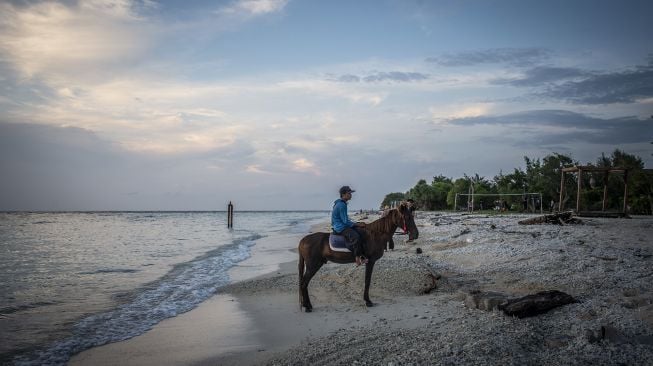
606, 172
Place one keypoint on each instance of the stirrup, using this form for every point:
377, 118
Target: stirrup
361, 260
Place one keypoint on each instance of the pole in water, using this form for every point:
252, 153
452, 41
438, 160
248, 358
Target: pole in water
230, 215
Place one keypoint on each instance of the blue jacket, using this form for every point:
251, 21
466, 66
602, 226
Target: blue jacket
339, 218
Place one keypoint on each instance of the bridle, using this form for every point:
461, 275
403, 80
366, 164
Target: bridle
403, 222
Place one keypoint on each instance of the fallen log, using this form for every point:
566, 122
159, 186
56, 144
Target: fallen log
560, 218
536, 304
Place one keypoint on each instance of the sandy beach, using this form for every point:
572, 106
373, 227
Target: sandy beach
429, 306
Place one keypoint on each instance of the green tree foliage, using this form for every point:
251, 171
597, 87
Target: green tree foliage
392, 197
460, 185
640, 184
542, 176
431, 196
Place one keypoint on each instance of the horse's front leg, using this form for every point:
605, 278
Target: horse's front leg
369, 267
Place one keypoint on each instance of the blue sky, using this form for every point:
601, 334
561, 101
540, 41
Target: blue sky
274, 104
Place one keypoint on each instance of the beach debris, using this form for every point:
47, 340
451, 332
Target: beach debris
462, 232
642, 253
485, 300
430, 285
616, 336
558, 341
536, 304
418, 250
560, 218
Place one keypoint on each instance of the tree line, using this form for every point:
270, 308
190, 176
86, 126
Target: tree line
540, 176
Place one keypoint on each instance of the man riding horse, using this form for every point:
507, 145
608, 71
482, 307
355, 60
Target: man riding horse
342, 225
314, 249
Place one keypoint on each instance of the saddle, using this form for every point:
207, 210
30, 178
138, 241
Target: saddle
338, 243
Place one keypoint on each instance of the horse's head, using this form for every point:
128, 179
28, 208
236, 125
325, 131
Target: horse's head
406, 220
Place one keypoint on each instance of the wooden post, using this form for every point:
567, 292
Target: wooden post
626, 192
605, 189
562, 189
541, 204
230, 215
580, 186
472, 188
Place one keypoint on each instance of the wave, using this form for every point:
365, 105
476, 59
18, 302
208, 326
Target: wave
180, 290
111, 270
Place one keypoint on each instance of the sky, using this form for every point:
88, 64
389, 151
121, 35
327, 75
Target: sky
275, 104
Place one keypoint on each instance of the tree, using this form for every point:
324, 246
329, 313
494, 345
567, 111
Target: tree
440, 186
543, 176
551, 170
431, 196
640, 187
392, 197
460, 185
423, 195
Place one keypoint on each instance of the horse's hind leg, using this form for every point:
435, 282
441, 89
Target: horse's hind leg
369, 267
311, 270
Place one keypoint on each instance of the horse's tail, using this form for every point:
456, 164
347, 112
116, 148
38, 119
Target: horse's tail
300, 267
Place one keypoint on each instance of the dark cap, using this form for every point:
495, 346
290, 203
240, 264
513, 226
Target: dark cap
345, 189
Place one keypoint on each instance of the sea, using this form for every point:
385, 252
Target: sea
70, 281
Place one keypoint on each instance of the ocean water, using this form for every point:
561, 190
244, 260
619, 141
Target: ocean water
72, 281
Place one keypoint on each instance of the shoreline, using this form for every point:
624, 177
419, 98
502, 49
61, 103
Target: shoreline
201, 326
604, 264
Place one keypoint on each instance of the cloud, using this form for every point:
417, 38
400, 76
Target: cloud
444, 114
305, 165
69, 168
542, 75
547, 127
329, 89
348, 78
578, 86
251, 8
55, 41
629, 86
511, 56
390, 76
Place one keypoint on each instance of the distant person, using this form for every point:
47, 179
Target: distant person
342, 225
411, 204
551, 205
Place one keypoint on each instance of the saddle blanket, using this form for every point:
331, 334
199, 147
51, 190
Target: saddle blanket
337, 243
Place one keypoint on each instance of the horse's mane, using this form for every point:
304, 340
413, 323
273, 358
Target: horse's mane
384, 225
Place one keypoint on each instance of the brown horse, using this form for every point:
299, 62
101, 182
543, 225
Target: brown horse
314, 250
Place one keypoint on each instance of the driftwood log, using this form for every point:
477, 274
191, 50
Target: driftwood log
560, 218
536, 304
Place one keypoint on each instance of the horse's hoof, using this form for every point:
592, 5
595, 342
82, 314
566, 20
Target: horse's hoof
369, 304
308, 310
